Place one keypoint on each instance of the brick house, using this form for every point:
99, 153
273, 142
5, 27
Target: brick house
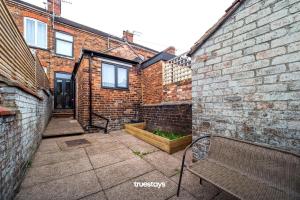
58, 43
246, 74
121, 70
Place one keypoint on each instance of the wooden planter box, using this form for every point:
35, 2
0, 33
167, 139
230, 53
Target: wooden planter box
170, 146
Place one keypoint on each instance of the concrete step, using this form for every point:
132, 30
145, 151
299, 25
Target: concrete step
62, 115
62, 127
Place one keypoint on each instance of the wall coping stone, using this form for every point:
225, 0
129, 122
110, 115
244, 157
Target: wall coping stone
171, 103
6, 111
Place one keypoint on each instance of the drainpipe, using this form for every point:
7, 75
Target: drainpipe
90, 93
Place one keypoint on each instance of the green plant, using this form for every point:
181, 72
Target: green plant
168, 135
140, 154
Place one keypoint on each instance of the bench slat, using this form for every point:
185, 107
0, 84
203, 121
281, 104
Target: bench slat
277, 168
235, 183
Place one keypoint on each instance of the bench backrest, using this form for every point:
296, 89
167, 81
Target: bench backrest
277, 168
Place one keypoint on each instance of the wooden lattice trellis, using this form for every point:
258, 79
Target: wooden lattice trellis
177, 69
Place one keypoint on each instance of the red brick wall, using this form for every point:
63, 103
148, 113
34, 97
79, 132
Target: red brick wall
82, 92
120, 106
168, 117
180, 91
155, 92
152, 84
82, 39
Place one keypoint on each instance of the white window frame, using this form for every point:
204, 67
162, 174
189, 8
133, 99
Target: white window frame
36, 31
71, 56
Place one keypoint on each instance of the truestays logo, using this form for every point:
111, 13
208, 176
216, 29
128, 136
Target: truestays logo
150, 184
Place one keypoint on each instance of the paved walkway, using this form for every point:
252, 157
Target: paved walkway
62, 127
98, 166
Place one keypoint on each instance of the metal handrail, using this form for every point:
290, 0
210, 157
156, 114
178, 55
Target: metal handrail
100, 116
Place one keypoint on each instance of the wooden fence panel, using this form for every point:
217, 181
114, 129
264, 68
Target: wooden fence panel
17, 63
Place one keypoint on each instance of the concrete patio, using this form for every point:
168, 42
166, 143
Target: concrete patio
99, 166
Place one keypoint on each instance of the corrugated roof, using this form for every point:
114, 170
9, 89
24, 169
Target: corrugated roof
235, 5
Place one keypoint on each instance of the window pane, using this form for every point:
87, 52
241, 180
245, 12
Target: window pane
64, 48
41, 35
63, 75
122, 77
108, 75
64, 36
30, 31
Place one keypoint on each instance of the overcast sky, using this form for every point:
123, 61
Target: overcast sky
157, 23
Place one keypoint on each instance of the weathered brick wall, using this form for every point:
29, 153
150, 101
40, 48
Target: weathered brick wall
165, 107
168, 117
20, 134
180, 91
246, 76
152, 85
155, 92
120, 106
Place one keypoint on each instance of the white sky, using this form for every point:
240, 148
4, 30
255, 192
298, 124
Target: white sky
158, 23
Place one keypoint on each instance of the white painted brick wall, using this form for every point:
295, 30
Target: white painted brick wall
20, 134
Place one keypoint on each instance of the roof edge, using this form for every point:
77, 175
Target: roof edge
101, 55
164, 56
229, 11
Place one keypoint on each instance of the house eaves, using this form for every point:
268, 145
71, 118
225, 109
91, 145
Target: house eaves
100, 55
234, 6
164, 56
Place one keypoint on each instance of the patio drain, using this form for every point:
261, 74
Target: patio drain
73, 143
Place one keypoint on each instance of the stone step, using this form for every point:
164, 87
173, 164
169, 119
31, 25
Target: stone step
62, 115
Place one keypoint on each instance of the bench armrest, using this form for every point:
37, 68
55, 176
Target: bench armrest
183, 159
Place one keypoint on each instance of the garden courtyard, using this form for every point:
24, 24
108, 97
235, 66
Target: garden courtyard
107, 166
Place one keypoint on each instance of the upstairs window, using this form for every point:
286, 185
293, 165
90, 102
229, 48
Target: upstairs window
114, 76
63, 44
35, 33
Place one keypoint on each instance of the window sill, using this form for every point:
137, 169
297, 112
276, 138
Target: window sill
65, 57
119, 89
39, 48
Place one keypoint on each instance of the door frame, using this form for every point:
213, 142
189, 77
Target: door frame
71, 88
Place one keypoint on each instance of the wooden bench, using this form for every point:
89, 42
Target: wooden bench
247, 170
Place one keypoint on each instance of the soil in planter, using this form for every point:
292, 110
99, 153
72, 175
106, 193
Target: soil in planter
168, 135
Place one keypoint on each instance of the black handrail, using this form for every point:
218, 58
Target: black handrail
106, 119
183, 159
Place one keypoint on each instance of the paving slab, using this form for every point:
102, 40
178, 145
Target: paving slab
117, 173
117, 133
104, 147
136, 144
184, 195
164, 162
225, 196
62, 126
97, 196
191, 183
127, 190
48, 145
188, 156
42, 158
71, 187
111, 157
46, 173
